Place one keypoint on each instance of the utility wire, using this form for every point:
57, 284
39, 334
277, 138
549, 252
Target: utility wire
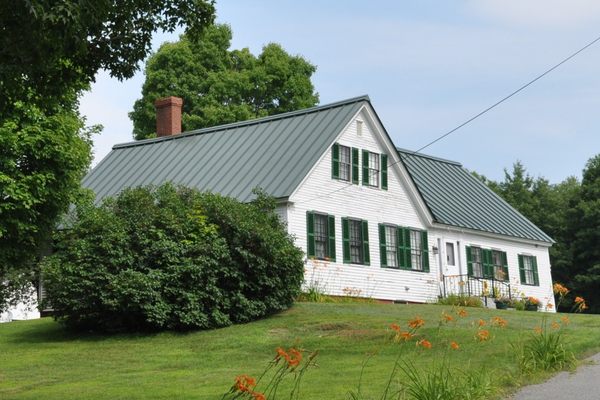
414, 153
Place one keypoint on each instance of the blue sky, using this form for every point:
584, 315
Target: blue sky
428, 66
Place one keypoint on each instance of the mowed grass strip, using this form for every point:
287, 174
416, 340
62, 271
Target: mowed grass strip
39, 359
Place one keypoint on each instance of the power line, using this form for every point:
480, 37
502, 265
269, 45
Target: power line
411, 154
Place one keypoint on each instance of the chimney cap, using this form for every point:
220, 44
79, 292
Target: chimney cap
168, 101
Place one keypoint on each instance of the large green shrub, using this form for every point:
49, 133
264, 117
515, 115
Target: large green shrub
171, 258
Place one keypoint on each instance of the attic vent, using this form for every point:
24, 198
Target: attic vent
359, 127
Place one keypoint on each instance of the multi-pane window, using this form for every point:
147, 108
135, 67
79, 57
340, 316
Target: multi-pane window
450, 254
498, 266
477, 262
403, 248
487, 263
528, 270
321, 236
355, 235
415, 250
356, 242
373, 169
391, 246
345, 163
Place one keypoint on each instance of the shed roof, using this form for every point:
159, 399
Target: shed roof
274, 153
456, 197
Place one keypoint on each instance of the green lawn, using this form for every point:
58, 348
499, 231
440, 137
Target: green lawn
39, 360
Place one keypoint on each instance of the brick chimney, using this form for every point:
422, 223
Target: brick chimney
168, 116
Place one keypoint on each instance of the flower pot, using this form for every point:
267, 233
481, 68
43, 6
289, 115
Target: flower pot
500, 305
531, 307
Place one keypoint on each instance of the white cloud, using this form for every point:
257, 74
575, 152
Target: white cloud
539, 13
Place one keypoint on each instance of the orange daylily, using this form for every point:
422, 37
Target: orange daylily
559, 289
481, 322
244, 383
483, 335
461, 312
454, 345
500, 322
565, 320
447, 317
538, 329
395, 327
416, 323
406, 336
555, 325
426, 344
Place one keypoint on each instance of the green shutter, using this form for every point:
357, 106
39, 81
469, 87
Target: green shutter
505, 266
355, 165
310, 230
488, 267
346, 240
425, 251
536, 278
469, 261
365, 168
521, 268
365, 240
384, 172
404, 248
382, 248
331, 233
335, 161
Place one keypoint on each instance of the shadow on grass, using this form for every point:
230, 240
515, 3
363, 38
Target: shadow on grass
46, 330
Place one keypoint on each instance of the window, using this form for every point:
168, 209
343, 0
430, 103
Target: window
344, 163
374, 171
388, 245
403, 248
321, 236
355, 234
415, 250
486, 263
528, 270
500, 269
356, 248
450, 254
475, 262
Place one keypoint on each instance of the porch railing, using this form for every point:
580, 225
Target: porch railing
475, 286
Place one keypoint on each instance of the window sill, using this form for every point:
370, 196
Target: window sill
405, 269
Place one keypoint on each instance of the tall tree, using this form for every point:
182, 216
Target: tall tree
219, 85
49, 52
584, 226
52, 49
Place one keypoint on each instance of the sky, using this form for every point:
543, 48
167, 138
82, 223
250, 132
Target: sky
427, 66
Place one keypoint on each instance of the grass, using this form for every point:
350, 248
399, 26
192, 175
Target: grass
38, 359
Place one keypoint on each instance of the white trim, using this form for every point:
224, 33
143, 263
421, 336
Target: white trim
437, 225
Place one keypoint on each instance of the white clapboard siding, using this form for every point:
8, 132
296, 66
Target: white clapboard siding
512, 247
375, 205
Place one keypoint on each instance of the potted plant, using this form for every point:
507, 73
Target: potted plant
502, 303
531, 304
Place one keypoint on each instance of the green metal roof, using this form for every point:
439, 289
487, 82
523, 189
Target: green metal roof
455, 197
274, 153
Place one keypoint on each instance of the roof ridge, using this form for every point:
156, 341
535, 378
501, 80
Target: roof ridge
249, 122
412, 153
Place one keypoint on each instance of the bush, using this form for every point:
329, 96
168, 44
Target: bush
460, 300
171, 258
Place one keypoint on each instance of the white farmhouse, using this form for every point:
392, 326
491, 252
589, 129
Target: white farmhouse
374, 220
